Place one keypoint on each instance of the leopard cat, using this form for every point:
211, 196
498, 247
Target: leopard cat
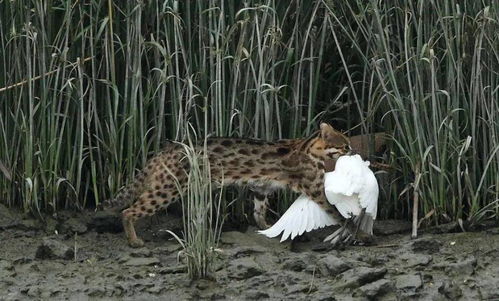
298, 164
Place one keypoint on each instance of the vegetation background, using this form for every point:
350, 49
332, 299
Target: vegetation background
89, 89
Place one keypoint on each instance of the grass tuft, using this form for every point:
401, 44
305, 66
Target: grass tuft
203, 214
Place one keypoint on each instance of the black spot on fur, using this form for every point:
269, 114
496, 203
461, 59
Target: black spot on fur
289, 163
267, 156
310, 177
266, 171
243, 152
316, 194
249, 164
283, 151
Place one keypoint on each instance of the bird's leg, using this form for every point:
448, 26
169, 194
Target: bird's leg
359, 222
361, 237
342, 235
354, 229
350, 232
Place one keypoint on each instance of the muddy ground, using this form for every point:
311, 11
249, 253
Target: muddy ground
84, 256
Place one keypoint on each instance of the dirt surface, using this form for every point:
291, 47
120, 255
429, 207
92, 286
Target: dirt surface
85, 256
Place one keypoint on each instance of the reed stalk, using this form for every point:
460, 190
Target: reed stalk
73, 130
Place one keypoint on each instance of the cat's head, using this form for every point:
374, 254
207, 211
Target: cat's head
330, 144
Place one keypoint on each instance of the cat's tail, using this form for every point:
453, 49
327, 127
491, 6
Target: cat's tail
126, 196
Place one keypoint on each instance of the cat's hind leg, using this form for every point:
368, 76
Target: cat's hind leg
261, 205
160, 195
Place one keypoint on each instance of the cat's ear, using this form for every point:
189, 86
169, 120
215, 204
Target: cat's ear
330, 135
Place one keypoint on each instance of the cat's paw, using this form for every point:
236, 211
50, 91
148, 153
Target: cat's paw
136, 243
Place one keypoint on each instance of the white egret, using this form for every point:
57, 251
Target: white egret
352, 188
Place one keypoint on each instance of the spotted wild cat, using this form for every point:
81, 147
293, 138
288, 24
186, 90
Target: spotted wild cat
297, 164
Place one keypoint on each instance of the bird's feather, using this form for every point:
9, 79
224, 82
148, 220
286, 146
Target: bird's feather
352, 186
369, 194
347, 206
303, 215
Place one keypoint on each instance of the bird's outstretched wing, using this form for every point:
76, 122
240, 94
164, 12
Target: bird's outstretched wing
303, 215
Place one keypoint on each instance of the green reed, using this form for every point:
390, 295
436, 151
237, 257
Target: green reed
428, 67
203, 212
90, 89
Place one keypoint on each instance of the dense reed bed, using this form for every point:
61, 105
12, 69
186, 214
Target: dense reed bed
431, 68
89, 89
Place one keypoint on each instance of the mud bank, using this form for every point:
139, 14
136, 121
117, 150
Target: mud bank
84, 256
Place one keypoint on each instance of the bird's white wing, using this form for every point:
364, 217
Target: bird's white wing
302, 216
301, 223
347, 206
311, 221
369, 193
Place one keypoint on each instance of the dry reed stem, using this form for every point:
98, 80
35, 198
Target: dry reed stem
24, 82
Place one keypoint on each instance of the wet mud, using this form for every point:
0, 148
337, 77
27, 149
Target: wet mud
84, 256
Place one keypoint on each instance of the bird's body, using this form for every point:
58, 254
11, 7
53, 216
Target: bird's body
352, 188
